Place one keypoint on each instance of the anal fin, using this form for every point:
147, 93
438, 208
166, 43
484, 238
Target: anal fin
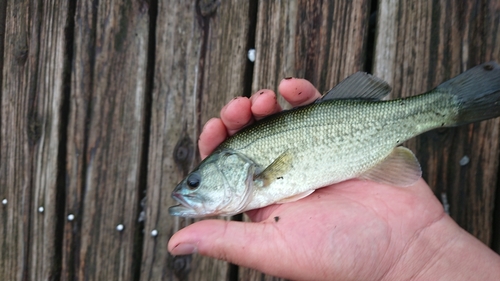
399, 168
295, 197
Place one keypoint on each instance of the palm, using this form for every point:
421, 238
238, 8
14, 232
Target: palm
356, 230
351, 224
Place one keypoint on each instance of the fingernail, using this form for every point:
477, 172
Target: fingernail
288, 78
184, 249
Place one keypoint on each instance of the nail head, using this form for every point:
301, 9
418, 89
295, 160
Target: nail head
464, 161
251, 55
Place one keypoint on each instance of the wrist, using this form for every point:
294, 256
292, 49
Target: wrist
445, 251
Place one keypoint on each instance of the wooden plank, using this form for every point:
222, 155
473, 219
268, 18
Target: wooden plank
420, 45
200, 65
81, 90
32, 93
15, 148
106, 125
52, 67
322, 41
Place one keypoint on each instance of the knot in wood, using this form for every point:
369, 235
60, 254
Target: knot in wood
182, 266
21, 55
208, 7
34, 128
183, 153
21, 49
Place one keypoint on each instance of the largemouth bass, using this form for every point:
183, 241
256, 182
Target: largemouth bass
348, 133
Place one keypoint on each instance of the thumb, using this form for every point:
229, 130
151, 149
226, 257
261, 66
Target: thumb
243, 243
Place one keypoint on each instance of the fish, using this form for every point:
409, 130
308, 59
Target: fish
350, 132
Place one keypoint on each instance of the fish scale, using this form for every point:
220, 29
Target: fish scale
347, 145
349, 133
345, 124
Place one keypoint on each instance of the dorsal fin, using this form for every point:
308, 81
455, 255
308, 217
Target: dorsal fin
360, 85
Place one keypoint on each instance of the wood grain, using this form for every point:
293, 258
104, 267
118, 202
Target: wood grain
106, 126
321, 41
15, 148
100, 111
200, 65
420, 45
77, 131
32, 93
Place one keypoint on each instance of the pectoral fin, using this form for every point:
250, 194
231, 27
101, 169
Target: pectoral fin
295, 197
276, 170
400, 168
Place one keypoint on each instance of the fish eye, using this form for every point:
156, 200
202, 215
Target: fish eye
193, 180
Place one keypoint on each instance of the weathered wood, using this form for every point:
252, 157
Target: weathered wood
200, 65
15, 149
32, 92
88, 159
248, 274
495, 241
321, 41
81, 89
420, 45
106, 126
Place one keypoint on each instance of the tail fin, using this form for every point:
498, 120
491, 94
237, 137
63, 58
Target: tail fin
477, 92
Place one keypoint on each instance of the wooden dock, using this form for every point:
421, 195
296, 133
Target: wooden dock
102, 103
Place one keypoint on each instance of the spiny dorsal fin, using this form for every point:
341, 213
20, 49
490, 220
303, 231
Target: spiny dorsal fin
275, 170
400, 168
360, 85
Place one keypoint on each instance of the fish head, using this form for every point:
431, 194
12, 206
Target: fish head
221, 185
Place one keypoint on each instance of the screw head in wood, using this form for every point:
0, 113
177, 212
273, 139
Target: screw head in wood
251, 55
464, 161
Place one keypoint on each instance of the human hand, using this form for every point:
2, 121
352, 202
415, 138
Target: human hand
350, 230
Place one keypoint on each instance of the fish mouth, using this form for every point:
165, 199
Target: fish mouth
183, 209
179, 211
180, 198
